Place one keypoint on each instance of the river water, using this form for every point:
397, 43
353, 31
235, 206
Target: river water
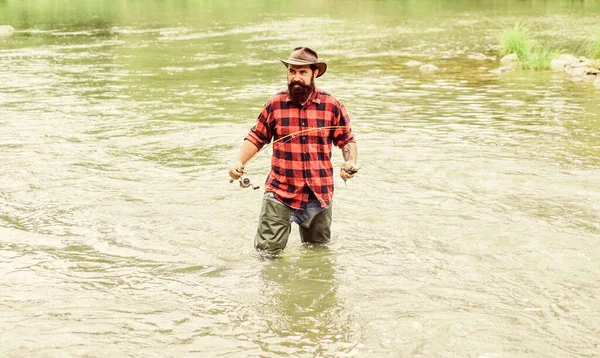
472, 229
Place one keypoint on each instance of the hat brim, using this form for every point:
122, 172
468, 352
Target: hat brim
322, 66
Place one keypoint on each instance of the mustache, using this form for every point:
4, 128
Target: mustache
293, 83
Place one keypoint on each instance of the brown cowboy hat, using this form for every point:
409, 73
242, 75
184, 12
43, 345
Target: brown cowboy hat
304, 56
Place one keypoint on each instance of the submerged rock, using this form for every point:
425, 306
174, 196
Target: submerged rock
428, 68
413, 63
6, 30
501, 70
480, 57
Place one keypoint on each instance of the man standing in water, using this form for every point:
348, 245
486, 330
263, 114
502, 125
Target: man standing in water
299, 187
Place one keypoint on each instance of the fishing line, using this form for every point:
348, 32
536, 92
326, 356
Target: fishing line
292, 137
245, 183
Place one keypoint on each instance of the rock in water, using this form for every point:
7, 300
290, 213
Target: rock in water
576, 71
568, 59
597, 82
413, 63
428, 68
558, 64
6, 31
511, 58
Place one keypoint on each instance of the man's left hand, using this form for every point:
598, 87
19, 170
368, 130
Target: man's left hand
348, 170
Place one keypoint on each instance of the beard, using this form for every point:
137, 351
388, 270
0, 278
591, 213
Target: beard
301, 93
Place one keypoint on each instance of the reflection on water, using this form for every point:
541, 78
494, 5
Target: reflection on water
301, 305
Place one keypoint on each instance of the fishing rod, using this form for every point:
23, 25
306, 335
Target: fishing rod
245, 182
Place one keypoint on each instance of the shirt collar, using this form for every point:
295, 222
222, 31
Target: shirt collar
315, 97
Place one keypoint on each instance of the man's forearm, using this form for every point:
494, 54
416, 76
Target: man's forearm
350, 152
247, 150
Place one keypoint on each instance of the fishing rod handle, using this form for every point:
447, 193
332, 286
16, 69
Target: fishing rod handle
240, 170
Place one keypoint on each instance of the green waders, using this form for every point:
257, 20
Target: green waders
274, 226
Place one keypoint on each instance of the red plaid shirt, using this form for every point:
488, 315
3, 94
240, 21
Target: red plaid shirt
302, 162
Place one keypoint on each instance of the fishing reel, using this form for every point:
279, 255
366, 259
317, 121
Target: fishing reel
245, 183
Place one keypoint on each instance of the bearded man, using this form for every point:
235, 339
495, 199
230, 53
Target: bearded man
299, 187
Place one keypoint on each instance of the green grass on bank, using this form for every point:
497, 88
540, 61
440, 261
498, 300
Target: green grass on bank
539, 59
517, 41
532, 56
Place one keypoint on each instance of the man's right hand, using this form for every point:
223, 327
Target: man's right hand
236, 171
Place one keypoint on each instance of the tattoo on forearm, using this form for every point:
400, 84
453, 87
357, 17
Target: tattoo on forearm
346, 152
349, 152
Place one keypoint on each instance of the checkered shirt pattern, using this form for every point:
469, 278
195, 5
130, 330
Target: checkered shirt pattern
302, 162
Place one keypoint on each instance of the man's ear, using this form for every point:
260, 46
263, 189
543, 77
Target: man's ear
315, 73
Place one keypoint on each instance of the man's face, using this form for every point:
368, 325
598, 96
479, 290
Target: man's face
300, 74
301, 82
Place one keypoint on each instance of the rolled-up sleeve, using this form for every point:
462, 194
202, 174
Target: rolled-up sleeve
261, 133
342, 134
